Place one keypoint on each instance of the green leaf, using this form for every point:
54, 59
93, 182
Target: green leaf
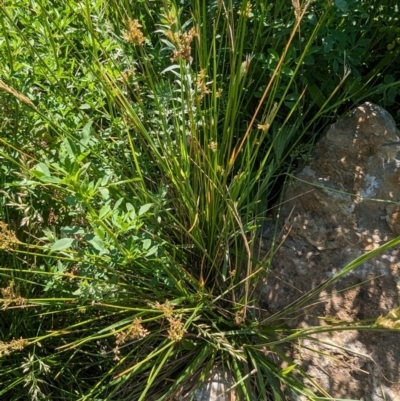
342, 5
274, 54
78, 292
86, 133
62, 244
83, 156
104, 180
316, 95
104, 211
287, 71
118, 203
392, 93
143, 209
53, 180
335, 66
70, 148
171, 68
388, 79
188, 345
41, 167
146, 243
72, 230
287, 370
96, 242
328, 44
152, 251
105, 193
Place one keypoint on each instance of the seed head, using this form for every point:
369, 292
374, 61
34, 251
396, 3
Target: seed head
133, 32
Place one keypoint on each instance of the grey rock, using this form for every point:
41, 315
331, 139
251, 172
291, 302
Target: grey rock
345, 202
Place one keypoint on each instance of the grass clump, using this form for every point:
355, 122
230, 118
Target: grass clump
143, 142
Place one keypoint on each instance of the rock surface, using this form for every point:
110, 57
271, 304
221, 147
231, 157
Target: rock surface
345, 202
217, 387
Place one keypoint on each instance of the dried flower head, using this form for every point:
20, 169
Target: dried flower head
174, 37
8, 239
166, 307
10, 296
134, 332
213, 146
239, 316
116, 353
176, 330
9, 292
53, 218
244, 68
13, 345
268, 120
201, 83
127, 74
390, 321
247, 11
182, 43
133, 32
171, 19
297, 9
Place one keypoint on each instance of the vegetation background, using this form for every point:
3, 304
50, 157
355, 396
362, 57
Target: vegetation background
142, 143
